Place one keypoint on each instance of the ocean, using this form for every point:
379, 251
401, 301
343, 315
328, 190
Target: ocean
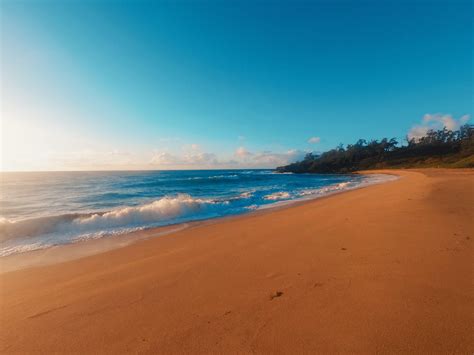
42, 209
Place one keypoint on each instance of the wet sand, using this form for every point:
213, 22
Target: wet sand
387, 268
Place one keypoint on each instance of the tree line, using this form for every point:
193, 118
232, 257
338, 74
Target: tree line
438, 148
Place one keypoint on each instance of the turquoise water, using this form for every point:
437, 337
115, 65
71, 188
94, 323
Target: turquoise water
39, 210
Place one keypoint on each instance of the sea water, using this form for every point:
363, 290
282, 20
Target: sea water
43, 209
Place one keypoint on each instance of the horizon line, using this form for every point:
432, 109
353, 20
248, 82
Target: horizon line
123, 170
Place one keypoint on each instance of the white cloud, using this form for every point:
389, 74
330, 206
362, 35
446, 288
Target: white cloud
164, 158
241, 152
445, 121
436, 121
417, 132
278, 159
196, 156
267, 159
192, 157
201, 158
314, 140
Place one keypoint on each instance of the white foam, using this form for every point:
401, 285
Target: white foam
277, 196
164, 208
348, 185
252, 207
39, 233
247, 194
214, 177
310, 194
42, 232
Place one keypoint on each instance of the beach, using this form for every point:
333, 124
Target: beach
385, 268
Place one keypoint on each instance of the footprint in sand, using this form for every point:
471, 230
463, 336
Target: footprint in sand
275, 295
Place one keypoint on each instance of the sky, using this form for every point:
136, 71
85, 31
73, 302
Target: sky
116, 85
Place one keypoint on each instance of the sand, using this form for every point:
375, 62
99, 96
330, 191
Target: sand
387, 269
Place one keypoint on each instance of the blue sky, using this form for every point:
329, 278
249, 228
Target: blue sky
217, 84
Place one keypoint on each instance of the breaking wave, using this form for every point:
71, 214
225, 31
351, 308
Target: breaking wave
260, 189
165, 208
347, 185
214, 177
277, 196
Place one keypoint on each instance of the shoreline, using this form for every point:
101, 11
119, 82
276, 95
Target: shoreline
80, 249
385, 269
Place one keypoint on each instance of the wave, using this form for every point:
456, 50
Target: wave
165, 208
247, 194
328, 189
348, 185
277, 196
34, 226
215, 177
18, 236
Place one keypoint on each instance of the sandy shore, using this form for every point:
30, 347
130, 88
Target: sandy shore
384, 269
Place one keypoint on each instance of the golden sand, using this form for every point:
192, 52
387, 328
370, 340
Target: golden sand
387, 268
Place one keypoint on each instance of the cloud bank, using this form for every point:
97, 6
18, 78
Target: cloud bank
191, 156
267, 159
196, 158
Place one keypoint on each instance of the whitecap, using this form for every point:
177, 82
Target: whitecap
277, 196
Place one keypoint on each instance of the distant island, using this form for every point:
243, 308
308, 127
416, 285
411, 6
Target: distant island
441, 148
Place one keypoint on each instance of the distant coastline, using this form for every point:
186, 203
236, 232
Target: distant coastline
437, 149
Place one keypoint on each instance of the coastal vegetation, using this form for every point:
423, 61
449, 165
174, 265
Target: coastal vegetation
438, 148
